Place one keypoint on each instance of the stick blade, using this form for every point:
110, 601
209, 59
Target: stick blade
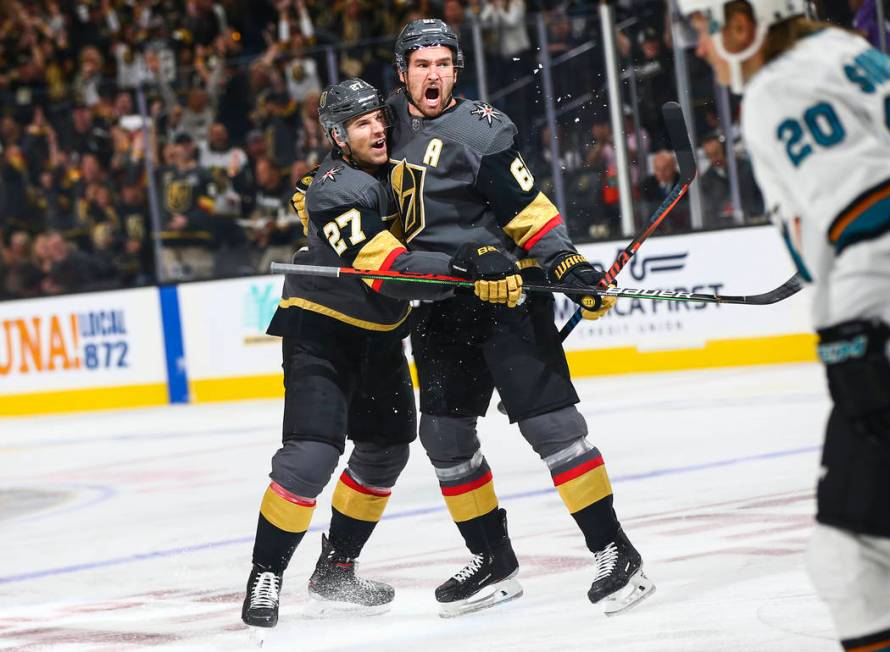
790, 287
678, 134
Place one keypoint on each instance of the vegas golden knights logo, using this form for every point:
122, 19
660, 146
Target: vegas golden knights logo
406, 180
179, 196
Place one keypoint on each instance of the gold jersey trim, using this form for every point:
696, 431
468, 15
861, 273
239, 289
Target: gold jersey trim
305, 304
375, 252
531, 219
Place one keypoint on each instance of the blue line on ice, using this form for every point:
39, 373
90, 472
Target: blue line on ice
677, 470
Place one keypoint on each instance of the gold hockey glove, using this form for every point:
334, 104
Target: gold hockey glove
607, 303
298, 200
496, 277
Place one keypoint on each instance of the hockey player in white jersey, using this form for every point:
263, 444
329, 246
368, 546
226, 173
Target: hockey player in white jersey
816, 120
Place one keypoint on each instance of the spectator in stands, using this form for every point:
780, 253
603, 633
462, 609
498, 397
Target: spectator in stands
275, 231
656, 187
301, 72
312, 145
715, 189
654, 70
188, 201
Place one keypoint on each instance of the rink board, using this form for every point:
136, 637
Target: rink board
82, 352
129, 348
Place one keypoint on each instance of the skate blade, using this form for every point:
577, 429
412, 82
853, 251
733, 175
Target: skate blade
503, 591
322, 608
638, 588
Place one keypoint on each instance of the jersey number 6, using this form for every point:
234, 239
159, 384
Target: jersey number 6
522, 174
333, 228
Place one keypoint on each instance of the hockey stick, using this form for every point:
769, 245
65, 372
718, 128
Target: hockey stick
678, 135
791, 286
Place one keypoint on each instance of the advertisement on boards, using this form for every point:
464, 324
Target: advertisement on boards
104, 340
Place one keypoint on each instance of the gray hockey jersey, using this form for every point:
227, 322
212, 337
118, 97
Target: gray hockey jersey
350, 213
460, 178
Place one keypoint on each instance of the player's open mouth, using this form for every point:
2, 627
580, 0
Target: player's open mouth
431, 96
379, 144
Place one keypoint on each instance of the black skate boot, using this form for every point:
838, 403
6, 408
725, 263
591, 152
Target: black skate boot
489, 579
619, 582
261, 602
335, 588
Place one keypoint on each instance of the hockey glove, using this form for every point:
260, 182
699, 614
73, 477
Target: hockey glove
855, 358
572, 269
298, 200
496, 277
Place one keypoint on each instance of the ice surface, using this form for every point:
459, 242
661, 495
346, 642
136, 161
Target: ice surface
132, 530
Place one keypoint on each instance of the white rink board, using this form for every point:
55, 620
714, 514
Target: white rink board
102, 339
224, 325
739, 261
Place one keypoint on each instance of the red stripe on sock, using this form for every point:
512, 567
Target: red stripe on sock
467, 487
350, 482
578, 471
553, 223
289, 497
395, 253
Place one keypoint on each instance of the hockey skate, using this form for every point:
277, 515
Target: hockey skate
261, 602
335, 589
619, 582
489, 579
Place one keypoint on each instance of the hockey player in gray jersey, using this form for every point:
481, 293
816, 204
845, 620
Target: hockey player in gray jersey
345, 374
458, 177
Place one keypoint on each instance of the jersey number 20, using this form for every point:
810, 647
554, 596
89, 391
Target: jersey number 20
824, 127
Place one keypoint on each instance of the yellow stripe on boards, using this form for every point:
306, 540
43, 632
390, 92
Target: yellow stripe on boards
84, 400
210, 390
352, 503
585, 490
472, 504
284, 514
778, 349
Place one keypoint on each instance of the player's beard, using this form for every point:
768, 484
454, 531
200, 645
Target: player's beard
433, 99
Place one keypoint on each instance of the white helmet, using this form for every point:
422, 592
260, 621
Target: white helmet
766, 13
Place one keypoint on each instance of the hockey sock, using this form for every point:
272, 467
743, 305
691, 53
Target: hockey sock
484, 533
355, 511
583, 485
284, 519
473, 504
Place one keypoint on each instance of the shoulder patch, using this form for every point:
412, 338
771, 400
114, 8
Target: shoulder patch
331, 175
484, 111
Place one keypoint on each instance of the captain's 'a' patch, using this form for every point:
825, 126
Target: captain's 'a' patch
485, 111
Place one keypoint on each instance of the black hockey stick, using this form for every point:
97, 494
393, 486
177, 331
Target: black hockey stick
791, 286
678, 135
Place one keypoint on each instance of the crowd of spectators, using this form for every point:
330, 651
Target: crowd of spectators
219, 99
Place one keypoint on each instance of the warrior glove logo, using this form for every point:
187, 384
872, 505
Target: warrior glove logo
406, 180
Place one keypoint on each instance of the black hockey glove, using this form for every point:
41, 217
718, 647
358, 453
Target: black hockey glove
572, 269
855, 358
496, 277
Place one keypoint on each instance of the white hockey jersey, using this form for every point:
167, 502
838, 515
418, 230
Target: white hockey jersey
816, 122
